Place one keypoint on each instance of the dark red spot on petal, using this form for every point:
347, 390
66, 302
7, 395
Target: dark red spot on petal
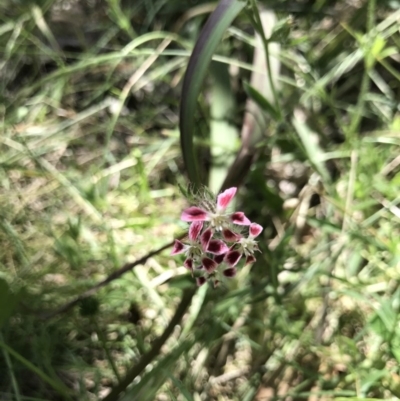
217, 247
194, 213
229, 235
225, 198
205, 238
240, 219
255, 229
231, 272
209, 265
188, 263
219, 258
200, 281
250, 259
232, 258
179, 247
194, 230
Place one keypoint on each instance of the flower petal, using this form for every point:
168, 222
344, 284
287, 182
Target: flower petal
255, 230
230, 272
240, 218
225, 198
229, 235
232, 258
219, 258
205, 238
209, 265
194, 230
250, 259
188, 263
178, 248
217, 247
200, 281
194, 213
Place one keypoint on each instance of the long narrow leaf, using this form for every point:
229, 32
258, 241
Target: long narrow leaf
261, 101
59, 387
209, 39
311, 148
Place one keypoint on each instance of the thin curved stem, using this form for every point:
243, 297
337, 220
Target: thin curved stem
148, 357
113, 276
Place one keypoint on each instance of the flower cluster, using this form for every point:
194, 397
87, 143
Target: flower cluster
215, 241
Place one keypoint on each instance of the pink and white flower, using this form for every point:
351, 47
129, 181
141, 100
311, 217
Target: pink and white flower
217, 217
205, 255
194, 231
193, 250
246, 246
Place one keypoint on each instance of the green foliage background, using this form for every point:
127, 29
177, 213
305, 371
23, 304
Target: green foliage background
91, 179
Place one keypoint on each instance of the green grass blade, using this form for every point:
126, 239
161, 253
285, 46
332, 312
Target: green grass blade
8, 301
196, 71
10, 369
310, 147
59, 387
261, 101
